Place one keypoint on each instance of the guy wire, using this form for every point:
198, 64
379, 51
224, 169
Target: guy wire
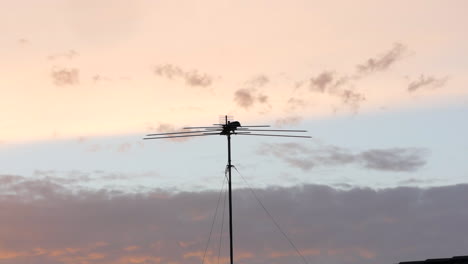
214, 219
271, 217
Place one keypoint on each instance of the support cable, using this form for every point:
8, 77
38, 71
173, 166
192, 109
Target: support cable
222, 225
214, 219
271, 217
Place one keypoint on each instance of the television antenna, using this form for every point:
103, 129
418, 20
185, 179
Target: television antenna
228, 128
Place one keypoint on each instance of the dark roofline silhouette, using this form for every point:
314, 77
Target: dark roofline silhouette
454, 260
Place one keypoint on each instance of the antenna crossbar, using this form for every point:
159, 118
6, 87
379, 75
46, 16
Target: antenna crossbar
208, 127
271, 135
272, 130
197, 135
174, 133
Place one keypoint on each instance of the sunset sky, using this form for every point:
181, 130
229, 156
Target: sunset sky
381, 86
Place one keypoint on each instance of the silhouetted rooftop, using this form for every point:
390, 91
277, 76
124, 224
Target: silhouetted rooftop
454, 260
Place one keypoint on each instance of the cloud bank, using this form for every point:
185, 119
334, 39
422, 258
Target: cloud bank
49, 223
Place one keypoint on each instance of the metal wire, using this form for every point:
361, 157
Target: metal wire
222, 225
271, 217
214, 219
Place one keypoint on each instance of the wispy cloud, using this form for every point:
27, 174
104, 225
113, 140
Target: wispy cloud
343, 85
23, 41
294, 104
168, 71
322, 81
289, 120
167, 128
192, 78
382, 62
65, 76
307, 157
424, 82
70, 54
51, 223
67, 179
351, 98
395, 159
258, 81
99, 78
246, 98
252, 92
330, 83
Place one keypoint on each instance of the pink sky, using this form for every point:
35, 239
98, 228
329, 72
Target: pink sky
380, 85
113, 47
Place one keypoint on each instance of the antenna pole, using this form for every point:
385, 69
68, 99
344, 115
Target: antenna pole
227, 129
230, 197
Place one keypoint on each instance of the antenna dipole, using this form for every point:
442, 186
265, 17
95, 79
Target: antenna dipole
227, 129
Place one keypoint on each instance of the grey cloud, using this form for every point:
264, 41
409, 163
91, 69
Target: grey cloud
307, 157
322, 81
7, 179
291, 153
252, 93
413, 181
192, 78
168, 70
384, 61
246, 98
396, 159
426, 82
198, 79
328, 82
65, 76
328, 225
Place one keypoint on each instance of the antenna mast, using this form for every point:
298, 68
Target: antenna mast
227, 129
231, 248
